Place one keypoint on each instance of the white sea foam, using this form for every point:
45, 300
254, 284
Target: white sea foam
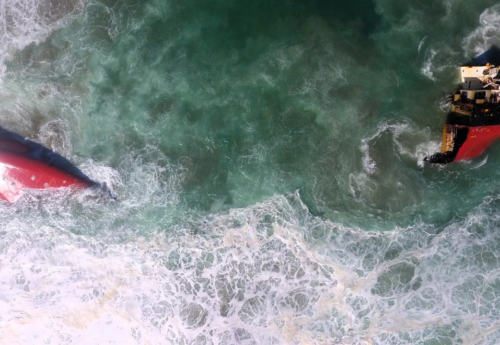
54, 135
480, 163
438, 59
486, 35
270, 274
421, 44
152, 291
24, 22
425, 150
369, 164
409, 141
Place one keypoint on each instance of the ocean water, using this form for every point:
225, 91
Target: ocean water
267, 162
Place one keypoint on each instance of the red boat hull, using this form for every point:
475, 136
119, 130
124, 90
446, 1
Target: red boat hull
18, 173
25, 164
478, 139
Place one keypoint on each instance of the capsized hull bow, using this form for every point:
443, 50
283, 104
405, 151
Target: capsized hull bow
25, 164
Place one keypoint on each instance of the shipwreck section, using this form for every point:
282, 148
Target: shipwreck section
474, 120
25, 164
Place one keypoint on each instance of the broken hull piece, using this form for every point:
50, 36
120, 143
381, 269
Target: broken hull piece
464, 142
473, 123
28, 165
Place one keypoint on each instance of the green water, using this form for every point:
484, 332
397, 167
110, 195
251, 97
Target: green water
267, 98
305, 115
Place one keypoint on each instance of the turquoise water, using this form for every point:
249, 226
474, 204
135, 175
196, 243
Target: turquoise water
267, 162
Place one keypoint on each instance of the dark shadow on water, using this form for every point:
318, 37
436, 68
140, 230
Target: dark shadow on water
236, 24
491, 56
358, 12
267, 17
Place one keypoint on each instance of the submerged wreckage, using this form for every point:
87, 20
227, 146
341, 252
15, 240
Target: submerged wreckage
474, 120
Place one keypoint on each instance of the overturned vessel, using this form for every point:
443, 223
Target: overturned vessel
25, 164
473, 123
